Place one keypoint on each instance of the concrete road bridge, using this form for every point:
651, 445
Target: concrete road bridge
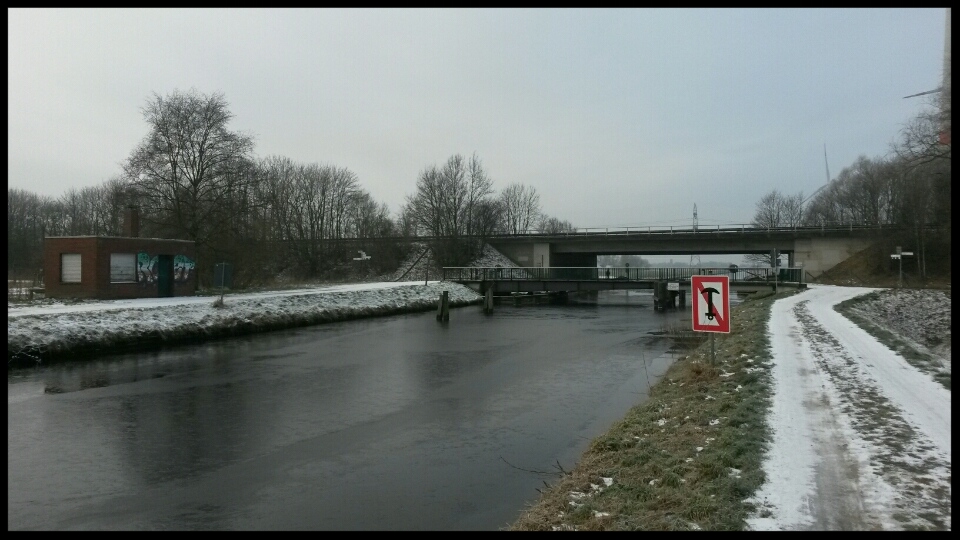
814, 250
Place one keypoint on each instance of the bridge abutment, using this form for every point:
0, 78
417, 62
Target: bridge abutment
817, 255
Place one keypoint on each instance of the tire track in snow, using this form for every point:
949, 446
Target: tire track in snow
847, 452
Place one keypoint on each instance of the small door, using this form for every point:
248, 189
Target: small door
164, 275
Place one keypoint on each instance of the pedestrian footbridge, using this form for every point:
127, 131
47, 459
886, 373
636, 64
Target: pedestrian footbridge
668, 284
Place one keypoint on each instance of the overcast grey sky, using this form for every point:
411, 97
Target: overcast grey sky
618, 117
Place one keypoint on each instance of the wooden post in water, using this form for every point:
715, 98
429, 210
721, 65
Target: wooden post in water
443, 307
488, 301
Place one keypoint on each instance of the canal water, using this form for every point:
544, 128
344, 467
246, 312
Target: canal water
399, 423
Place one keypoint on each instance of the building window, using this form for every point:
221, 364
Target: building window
70, 267
123, 268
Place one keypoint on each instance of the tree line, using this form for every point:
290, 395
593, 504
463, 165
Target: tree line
194, 178
908, 189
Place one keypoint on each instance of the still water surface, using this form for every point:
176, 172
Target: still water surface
390, 423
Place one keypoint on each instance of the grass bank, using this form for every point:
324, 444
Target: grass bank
688, 457
914, 353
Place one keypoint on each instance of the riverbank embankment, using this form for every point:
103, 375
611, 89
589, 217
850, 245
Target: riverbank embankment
55, 331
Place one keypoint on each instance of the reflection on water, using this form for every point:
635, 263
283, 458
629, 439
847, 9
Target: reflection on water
391, 423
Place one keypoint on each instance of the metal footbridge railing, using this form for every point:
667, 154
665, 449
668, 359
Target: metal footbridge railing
756, 275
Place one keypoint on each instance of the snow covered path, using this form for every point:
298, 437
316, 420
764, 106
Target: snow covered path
861, 439
147, 303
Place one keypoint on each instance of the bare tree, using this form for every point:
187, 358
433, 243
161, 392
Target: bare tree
867, 191
406, 223
552, 225
312, 209
479, 189
777, 210
926, 137
369, 219
451, 204
189, 165
26, 226
520, 208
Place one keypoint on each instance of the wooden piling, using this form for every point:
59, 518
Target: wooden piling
443, 307
488, 301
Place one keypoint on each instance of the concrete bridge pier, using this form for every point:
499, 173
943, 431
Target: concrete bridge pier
663, 298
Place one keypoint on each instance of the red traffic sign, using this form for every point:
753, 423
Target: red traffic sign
711, 303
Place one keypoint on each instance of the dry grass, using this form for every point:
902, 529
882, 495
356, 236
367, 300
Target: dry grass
873, 267
688, 456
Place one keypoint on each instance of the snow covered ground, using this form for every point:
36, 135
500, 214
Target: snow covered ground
861, 438
55, 327
417, 264
49, 327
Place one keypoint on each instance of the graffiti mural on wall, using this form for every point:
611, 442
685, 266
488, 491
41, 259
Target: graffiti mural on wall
183, 268
146, 269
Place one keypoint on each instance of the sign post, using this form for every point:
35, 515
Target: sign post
222, 277
775, 264
900, 278
710, 298
899, 255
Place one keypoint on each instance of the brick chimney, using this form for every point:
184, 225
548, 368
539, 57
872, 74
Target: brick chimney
131, 222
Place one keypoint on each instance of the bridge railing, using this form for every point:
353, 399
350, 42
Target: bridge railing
823, 227
736, 273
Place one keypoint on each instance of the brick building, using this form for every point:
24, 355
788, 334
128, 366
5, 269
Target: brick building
112, 267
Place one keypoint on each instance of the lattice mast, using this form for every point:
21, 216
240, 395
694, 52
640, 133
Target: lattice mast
695, 259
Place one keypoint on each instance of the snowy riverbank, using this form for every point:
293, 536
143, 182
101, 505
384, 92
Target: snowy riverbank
52, 330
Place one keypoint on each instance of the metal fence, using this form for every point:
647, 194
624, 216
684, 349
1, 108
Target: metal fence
23, 289
822, 227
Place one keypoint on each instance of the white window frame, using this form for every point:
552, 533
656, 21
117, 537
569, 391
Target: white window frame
71, 258
123, 268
